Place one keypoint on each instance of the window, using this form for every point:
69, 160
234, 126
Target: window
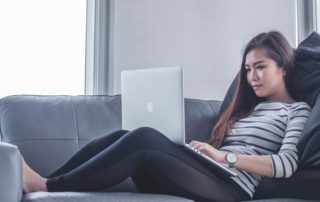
42, 47
317, 15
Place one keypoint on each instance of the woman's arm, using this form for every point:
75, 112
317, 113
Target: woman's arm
282, 164
260, 165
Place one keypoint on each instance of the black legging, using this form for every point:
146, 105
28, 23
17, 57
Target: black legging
155, 164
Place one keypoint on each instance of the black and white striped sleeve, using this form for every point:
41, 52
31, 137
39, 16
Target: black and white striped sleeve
285, 162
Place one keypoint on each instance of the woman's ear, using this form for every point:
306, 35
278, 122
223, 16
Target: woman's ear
283, 71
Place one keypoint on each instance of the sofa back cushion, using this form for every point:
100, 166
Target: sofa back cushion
48, 129
200, 117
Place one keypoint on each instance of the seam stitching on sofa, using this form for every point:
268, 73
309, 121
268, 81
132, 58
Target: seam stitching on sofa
75, 122
38, 139
211, 109
32, 139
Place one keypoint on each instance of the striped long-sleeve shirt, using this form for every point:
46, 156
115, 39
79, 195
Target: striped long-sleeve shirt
273, 129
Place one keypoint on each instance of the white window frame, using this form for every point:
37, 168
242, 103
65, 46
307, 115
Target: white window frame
306, 18
99, 47
317, 15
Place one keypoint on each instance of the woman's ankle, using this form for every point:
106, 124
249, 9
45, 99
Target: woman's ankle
32, 181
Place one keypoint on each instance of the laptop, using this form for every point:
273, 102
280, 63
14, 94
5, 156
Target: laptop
154, 98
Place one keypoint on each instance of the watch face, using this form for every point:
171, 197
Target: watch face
231, 158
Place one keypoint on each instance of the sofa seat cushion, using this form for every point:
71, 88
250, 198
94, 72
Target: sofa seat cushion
97, 196
283, 200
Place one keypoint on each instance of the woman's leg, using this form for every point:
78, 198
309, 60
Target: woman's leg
88, 151
146, 153
32, 181
181, 176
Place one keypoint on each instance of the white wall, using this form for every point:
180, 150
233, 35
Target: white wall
206, 37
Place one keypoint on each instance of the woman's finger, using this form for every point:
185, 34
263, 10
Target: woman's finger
194, 143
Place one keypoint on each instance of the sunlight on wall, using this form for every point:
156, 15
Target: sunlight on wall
42, 47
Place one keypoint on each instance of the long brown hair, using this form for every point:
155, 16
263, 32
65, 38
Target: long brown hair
244, 100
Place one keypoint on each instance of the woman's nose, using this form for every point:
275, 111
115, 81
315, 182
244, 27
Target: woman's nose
254, 76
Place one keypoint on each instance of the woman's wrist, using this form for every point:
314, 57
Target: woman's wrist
221, 156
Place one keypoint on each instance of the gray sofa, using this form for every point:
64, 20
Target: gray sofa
46, 130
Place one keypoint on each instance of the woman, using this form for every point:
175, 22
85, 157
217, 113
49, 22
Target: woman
256, 135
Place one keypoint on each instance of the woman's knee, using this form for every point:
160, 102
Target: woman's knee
107, 138
146, 136
146, 130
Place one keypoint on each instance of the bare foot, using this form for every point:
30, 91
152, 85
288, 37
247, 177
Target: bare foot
32, 181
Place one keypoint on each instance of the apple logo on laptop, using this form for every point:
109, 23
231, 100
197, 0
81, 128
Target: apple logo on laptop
149, 106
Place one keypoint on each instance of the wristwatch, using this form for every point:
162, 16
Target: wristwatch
231, 158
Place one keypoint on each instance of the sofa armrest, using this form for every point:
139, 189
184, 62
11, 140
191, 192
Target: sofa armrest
10, 173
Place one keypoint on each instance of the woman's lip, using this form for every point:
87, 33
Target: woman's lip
256, 87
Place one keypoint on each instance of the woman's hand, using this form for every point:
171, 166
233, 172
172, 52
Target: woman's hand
209, 151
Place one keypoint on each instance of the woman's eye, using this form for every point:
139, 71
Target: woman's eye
247, 70
260, 67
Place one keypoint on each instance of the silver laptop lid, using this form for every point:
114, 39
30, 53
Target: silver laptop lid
154, 98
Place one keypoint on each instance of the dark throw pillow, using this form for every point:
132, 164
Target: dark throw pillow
306, 79
303, 184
